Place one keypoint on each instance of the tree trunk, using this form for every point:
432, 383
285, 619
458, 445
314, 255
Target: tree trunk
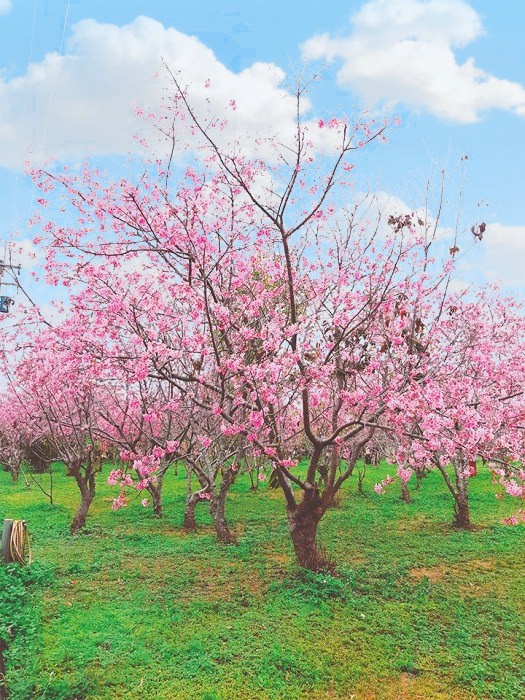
218, 509
254, 480
189, 522
156, 501
79, 520
218, 514
303, 520
192, 497
462, 520
360, 480
155, 491
460, 493
461, 505
86, 485
405, 493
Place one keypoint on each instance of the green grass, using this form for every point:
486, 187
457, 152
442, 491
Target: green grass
139, 609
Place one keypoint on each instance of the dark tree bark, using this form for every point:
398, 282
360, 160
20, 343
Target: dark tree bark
461, 505
304, 516
254, 480
303, 520
405, 493
85, 479
218, 508
460, 493
156, 499
193, 497
155, 491
189, 522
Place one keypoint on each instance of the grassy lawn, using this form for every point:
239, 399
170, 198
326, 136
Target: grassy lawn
136, 608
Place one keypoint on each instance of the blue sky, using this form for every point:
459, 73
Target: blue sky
453, 70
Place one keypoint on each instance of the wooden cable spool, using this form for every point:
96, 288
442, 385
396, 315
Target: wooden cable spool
15, 542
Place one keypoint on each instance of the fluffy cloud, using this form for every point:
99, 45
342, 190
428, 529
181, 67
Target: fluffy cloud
497, 258
402, 51
502, 254
83, 102
376, 208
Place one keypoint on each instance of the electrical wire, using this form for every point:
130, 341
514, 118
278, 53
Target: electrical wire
53, 87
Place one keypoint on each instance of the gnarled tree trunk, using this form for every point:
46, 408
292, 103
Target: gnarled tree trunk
189, 522
303, 520
86, 485
461, 504
156, 499
460, 493
15, 471
218, 508
193, 497
155, 491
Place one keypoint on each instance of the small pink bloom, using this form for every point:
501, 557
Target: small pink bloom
288, 463
114, 476
119, 502
171, 446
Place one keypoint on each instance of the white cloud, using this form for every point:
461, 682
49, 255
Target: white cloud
82, 102
498, 258
502, 255
402, 51
377, 207
5, 6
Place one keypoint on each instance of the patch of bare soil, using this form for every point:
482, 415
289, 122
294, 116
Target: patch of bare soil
405, 687
433, 573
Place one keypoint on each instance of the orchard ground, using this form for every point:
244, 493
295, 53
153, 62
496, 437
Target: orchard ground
136, 608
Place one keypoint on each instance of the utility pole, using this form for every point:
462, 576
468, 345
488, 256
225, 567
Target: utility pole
6, 301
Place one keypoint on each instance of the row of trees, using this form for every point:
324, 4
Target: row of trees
229, 312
